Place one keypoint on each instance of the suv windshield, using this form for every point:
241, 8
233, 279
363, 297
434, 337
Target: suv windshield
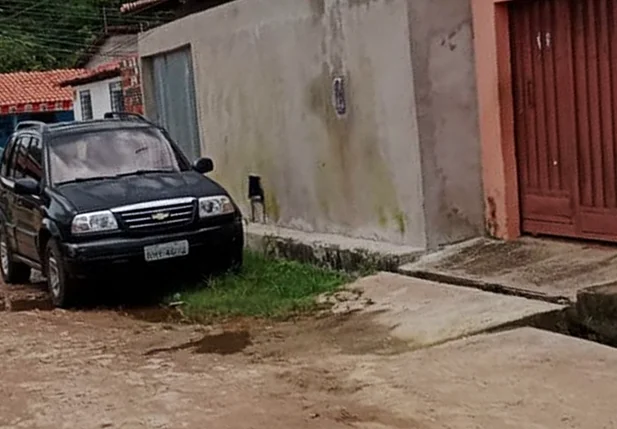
111, 153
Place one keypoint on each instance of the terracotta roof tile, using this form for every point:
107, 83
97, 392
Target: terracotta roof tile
104, 71
36, 87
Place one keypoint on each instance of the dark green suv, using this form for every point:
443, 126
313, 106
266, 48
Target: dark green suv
79, 199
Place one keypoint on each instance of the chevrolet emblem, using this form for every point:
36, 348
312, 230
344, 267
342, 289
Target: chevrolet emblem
160, 216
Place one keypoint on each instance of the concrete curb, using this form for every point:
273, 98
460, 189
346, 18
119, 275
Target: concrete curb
485, 286
328, 250
596, 311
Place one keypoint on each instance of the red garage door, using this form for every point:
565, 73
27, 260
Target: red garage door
565, 96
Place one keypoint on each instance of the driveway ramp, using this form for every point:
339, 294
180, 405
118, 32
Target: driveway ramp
426, 313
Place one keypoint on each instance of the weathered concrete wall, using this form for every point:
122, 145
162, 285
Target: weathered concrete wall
446, 100
264, 70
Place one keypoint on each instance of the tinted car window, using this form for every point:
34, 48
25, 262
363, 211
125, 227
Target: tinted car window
34, 162
4, 169
20, 158
111, 153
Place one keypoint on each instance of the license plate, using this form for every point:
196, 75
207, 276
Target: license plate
159, 252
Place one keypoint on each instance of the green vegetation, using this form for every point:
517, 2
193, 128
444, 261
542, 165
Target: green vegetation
265, 288
47, 34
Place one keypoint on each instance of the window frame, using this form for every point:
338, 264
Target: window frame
18, 146
35, 140
115, 88
83, 93
7, 155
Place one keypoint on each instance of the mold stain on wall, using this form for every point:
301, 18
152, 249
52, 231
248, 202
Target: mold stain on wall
318, 7
353, 169
331, 180
273, 209
373, 163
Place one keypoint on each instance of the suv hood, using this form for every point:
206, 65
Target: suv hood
109, 193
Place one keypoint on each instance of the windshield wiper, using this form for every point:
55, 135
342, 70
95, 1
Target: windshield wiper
84, 179
115, 176
145, 171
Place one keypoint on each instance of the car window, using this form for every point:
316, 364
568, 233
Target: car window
20, 157
6, 156
34, 162
110, 153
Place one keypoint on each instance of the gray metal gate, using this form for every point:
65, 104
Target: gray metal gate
174, 91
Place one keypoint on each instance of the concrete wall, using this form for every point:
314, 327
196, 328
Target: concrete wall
263, 71
446, 99
101, 98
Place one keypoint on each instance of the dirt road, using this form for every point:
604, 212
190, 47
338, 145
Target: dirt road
103, 369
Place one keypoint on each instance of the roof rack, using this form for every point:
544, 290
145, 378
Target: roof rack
126, 116
30, 124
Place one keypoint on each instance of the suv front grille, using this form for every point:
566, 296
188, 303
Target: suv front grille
157, 214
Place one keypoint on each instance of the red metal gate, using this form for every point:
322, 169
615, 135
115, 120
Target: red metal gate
565, 100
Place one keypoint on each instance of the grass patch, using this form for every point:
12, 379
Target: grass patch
264, 288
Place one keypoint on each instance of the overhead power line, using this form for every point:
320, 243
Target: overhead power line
80, 13
63, 33
21, 12
97, 18
74, 30
112, 54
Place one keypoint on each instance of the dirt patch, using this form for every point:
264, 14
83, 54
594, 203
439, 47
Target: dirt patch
216, 376
226, 343
28, 297
350, 334
155, 314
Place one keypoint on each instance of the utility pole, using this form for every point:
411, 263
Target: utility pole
104, 20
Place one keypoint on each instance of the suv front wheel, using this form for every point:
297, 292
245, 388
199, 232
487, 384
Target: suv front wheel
61, 285
12, 272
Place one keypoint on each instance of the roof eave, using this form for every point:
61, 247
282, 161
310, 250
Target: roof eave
104, 75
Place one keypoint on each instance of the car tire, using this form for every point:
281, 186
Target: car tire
13, 272
234, 260
62, 287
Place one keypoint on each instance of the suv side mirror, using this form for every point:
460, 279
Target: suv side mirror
26, 186
203, 165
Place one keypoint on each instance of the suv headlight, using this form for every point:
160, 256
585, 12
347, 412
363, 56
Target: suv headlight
215, 206
88, 223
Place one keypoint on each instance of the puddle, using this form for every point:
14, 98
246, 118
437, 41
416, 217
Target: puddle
227, 343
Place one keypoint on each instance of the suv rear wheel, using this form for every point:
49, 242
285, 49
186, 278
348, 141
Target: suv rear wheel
12, 272
61, 285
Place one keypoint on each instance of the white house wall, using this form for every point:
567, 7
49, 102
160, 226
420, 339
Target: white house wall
99, 93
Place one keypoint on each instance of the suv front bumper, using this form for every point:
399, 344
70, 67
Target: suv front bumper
83, 259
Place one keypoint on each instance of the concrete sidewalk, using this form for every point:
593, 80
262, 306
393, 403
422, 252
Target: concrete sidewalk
543, 269
424, 313
520, 379
472, 366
